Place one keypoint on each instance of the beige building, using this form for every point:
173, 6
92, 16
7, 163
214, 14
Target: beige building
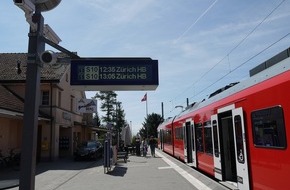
60, 126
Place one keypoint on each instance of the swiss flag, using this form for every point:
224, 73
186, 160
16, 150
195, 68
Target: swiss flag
144, 98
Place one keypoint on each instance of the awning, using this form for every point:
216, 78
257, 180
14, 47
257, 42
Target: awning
17, 115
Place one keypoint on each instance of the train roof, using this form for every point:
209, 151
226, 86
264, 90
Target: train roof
276, 65
167, 121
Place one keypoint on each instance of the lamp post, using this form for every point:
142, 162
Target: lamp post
32, 10
31, 106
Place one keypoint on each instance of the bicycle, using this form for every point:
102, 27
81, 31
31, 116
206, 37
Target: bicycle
3, 160
13, 160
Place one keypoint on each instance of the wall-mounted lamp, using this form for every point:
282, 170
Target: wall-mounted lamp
19, 71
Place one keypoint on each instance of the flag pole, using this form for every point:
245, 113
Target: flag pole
146, 116
142, 100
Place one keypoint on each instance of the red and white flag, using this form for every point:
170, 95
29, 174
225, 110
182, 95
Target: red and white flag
144, 98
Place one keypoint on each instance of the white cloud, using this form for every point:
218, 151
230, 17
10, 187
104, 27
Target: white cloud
99, 28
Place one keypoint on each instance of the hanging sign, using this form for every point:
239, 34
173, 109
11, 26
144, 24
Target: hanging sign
87, 106
110, 74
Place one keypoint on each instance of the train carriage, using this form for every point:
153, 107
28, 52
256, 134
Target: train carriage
239, 134
165, 136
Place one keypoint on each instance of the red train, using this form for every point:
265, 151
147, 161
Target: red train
240, 133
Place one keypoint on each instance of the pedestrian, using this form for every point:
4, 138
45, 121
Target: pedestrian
138, 147
152, 144
143, 147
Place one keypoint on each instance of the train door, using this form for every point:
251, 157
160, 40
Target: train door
240, 149
227, 146
189, 143
161, 138
223, 145
216, 147
230, 155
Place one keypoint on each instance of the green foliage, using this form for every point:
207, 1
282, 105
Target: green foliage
96, 120
120, 117
133, 140
150, 125
108, 100
114, 113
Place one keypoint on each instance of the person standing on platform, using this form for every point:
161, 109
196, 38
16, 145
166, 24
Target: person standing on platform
138, 147
143, 147
152, 144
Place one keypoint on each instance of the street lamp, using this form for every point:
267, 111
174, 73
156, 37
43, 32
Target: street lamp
32, 10
46, 5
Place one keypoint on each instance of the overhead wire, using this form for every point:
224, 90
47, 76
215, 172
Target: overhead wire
194, 23
254, 56
230, 52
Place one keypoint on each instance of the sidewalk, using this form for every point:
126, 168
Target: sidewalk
161, 172
47, 173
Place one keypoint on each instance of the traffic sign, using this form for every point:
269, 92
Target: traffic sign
106, 74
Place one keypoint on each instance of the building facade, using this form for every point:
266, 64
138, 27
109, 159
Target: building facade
60, 127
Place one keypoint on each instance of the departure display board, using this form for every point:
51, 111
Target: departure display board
114, 74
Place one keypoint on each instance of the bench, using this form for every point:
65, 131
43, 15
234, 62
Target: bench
122, 155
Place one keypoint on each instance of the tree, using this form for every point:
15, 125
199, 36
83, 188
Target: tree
119, 117
151, 123
108, 100
87, 118
115, 114
96, 120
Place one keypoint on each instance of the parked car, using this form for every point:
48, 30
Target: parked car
89, 150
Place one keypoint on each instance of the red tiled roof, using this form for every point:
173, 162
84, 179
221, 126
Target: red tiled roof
8, 101
9, 70
9, 75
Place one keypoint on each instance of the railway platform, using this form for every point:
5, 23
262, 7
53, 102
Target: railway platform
160, 172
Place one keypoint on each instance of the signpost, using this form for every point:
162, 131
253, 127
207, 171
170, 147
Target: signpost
114, 74
32, 10
86, 74
87, 106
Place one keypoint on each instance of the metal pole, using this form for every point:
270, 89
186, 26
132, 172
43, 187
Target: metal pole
147, 117
162, 110
131, 128
31, 106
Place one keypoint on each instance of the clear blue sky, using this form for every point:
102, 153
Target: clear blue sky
199, 43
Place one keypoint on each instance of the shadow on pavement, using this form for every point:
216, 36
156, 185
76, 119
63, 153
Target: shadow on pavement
67, 164
10, 176
119, 171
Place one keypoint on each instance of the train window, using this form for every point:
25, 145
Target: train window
239, 139
193, 139
215, 138
167, 137
208, 137
199, 137
179, 133
269, 128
